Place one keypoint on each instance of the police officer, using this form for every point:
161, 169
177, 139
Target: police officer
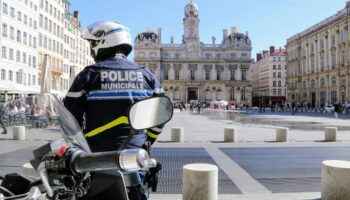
101, 94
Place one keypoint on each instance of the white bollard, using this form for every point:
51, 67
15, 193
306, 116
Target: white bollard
28, 170
335, 180
330, 134
200, 182
177, 134
282, 134
230, 134
19, 132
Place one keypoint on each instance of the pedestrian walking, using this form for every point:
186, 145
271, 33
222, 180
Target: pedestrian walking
191, 108
336, 110
2, 114
199, 108
293, 108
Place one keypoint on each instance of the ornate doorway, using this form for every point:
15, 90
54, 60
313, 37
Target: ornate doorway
192, 94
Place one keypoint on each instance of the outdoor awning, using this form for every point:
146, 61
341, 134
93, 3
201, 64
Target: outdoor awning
12, 87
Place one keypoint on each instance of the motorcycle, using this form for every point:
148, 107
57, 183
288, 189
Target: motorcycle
67, 169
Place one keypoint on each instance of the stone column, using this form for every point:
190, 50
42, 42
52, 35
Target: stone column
177, 134
199, 93
200, 182
19, 132
230, 134
327, 89
335, 180
338, 88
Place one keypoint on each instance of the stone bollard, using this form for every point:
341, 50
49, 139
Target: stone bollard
19, 132
330, 134
282, 134
200, 182
28, 170
177, 134
230, 134
335, 180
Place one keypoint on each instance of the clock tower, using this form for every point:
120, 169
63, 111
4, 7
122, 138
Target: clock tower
191, 29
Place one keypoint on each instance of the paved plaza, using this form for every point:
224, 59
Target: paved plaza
245, 170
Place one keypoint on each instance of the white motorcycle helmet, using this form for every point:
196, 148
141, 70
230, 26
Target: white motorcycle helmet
108, 38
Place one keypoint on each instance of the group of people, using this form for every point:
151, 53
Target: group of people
197, 106
18, 112
191, 106
9, 112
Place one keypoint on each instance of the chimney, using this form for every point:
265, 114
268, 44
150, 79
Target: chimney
224, 33
258, 57
264, 53
76, 14
233, 30
272, 49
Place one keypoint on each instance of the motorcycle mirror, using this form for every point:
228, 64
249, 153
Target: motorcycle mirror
150, 112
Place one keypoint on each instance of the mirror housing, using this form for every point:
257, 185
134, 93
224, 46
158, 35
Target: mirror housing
150, 112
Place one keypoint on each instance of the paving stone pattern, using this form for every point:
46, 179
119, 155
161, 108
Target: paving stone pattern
284, 170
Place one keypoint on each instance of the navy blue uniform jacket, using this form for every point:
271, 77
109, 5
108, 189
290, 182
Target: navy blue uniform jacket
101, 95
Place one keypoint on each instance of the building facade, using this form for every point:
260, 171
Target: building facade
35, 33
318, 68
76, 50
19, 50
269, 73
51, 35
193, 71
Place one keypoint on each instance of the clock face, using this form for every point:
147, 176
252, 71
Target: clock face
191, 11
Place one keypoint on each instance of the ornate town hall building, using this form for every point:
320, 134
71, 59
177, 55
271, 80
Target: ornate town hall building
196, 71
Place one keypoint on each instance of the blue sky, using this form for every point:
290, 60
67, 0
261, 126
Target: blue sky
268, 22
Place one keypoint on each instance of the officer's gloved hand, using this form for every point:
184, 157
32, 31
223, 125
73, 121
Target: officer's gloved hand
152, 177
147, 146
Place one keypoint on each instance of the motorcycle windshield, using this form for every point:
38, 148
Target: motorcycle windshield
44, 113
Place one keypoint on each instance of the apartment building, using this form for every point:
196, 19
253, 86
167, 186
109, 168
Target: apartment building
19, 48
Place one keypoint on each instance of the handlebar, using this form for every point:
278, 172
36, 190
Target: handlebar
126, 160
88, 162
81, 162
